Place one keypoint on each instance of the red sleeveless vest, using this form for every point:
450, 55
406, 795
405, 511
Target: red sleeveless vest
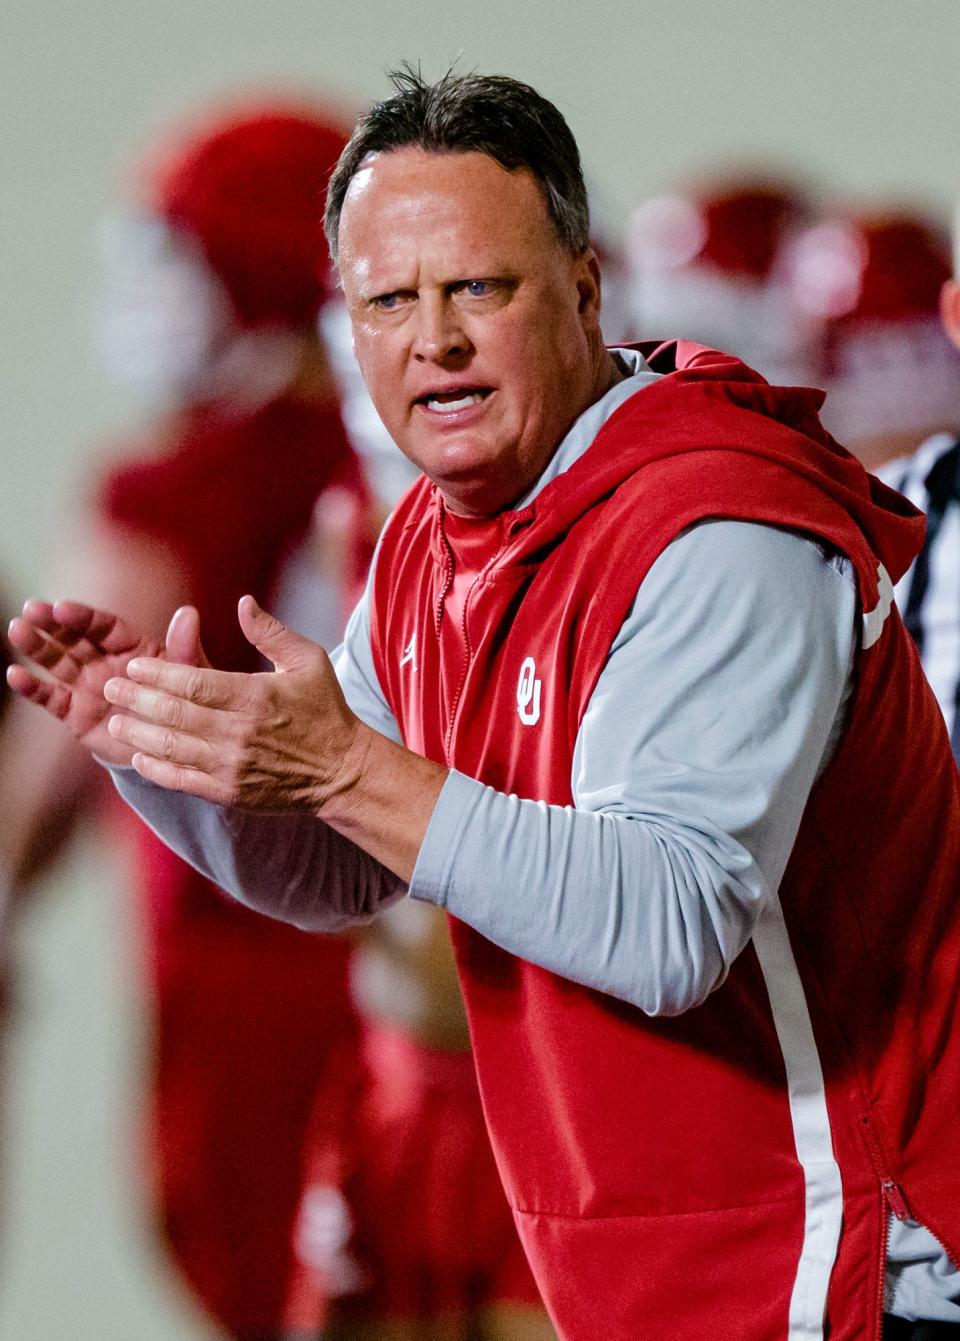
726, 1173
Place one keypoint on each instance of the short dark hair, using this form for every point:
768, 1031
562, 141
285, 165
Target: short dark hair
487, 114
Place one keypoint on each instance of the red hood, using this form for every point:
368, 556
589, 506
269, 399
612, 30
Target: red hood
712, 404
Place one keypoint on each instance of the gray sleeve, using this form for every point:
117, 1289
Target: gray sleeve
719, 702
289, 866
353, 663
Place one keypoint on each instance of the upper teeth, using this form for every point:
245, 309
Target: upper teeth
471, 398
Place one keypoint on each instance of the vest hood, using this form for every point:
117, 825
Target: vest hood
714, 405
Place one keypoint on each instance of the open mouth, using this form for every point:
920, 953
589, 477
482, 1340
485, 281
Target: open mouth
454, 399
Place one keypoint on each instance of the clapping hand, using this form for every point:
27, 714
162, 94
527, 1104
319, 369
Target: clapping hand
74, 650
275, 740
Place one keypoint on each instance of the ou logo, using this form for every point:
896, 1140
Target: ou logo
528, 693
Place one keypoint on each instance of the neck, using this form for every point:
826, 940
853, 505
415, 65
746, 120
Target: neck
609, 373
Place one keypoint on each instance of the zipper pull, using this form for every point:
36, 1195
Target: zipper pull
895, 1199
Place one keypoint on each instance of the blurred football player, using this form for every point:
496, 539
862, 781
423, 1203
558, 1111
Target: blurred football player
216, 275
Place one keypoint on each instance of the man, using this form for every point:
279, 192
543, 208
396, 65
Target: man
893, 396
214, 280
634, 632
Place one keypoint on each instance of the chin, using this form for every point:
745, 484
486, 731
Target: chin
479, 496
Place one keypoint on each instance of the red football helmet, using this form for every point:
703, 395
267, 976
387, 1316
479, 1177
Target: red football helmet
706, 266
873, 284
248, 187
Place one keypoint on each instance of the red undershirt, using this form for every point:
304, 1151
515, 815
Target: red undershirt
473, 542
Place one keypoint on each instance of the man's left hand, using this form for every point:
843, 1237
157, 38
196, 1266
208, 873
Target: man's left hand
279, 740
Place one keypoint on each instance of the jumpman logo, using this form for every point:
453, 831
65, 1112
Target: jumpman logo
410, 652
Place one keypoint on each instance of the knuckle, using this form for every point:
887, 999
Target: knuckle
246, 739
120, 727
256, 697
194, 686
121, 693
169, 712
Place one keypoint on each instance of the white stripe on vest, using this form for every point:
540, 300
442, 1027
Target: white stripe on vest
874, 620
811, 1125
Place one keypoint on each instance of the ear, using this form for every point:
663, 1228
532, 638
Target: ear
588, 288
950, 310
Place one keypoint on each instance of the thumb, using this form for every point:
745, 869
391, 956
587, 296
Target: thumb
287, 650
183, 638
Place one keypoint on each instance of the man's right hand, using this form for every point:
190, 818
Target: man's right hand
74, 650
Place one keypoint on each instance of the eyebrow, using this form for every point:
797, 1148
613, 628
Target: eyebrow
505, 279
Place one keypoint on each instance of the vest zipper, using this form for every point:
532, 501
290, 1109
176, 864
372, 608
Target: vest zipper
884, 1238
444, 589
447, 576
893, 1199
892, 1191
893, 1195
463, 675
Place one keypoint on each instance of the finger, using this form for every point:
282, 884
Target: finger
281, 646
153, 705
159, 742
37, 611
178, 778
44, 650
71, 622
168, 711
183, 638
47, 694
207, 688
66, 636
103, 630
30, 631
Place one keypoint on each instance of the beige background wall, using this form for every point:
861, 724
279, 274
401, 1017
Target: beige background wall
860, 93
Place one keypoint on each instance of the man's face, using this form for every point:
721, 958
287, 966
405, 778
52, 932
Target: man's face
476, 332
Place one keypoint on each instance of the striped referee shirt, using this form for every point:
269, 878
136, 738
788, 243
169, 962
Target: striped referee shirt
928, 594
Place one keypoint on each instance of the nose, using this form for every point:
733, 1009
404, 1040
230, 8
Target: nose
440, 336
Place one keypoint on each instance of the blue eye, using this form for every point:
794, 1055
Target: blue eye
477, 288
386, 301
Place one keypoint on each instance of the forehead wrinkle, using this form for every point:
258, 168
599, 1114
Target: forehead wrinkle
387, 253
423, 195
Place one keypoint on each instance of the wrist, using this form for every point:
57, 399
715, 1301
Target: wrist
382, 799
338, 796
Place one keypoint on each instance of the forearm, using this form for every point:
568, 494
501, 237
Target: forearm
289, 866
390, 792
